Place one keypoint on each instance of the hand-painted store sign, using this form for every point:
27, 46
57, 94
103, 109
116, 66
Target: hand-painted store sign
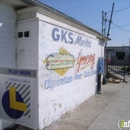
84, 61
50, 83
61, 35
59, 61
69, 56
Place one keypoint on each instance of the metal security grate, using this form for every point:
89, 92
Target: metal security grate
116, 63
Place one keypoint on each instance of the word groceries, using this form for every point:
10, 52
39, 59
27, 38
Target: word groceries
50, 83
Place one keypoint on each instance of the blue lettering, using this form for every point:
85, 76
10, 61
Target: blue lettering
65, 80
25, 73
48, 84
62, 80
89, 73
78, 40
78, 76
13, 71
63, 34
67, 37
70, 79
70, 37
86, 74
55, 35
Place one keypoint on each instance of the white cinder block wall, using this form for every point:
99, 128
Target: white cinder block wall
8, 19
27, 47
59, 91
56, 100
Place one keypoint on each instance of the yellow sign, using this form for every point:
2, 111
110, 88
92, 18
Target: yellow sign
13, 103
60, 62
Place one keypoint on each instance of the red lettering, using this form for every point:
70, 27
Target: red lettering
84, 60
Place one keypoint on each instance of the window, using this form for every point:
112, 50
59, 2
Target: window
23, 34
20, 34
26, 34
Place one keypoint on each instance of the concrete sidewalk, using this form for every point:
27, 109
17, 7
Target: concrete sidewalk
101, 112
117, 110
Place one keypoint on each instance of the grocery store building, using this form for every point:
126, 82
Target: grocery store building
48, 63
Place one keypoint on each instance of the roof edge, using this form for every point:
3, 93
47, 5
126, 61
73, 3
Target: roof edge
52, 10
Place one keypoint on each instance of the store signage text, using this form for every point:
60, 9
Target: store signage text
61, 35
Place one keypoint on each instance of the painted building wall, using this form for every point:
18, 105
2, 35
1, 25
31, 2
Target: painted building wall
27, 47
65, 57
67, 68
8, 19
17, 52
112, 53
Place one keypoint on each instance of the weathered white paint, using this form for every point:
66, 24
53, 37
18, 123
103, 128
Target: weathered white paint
27, 47
55, 18
33, 51
8, 19
1, 24
60, 99
24, 85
